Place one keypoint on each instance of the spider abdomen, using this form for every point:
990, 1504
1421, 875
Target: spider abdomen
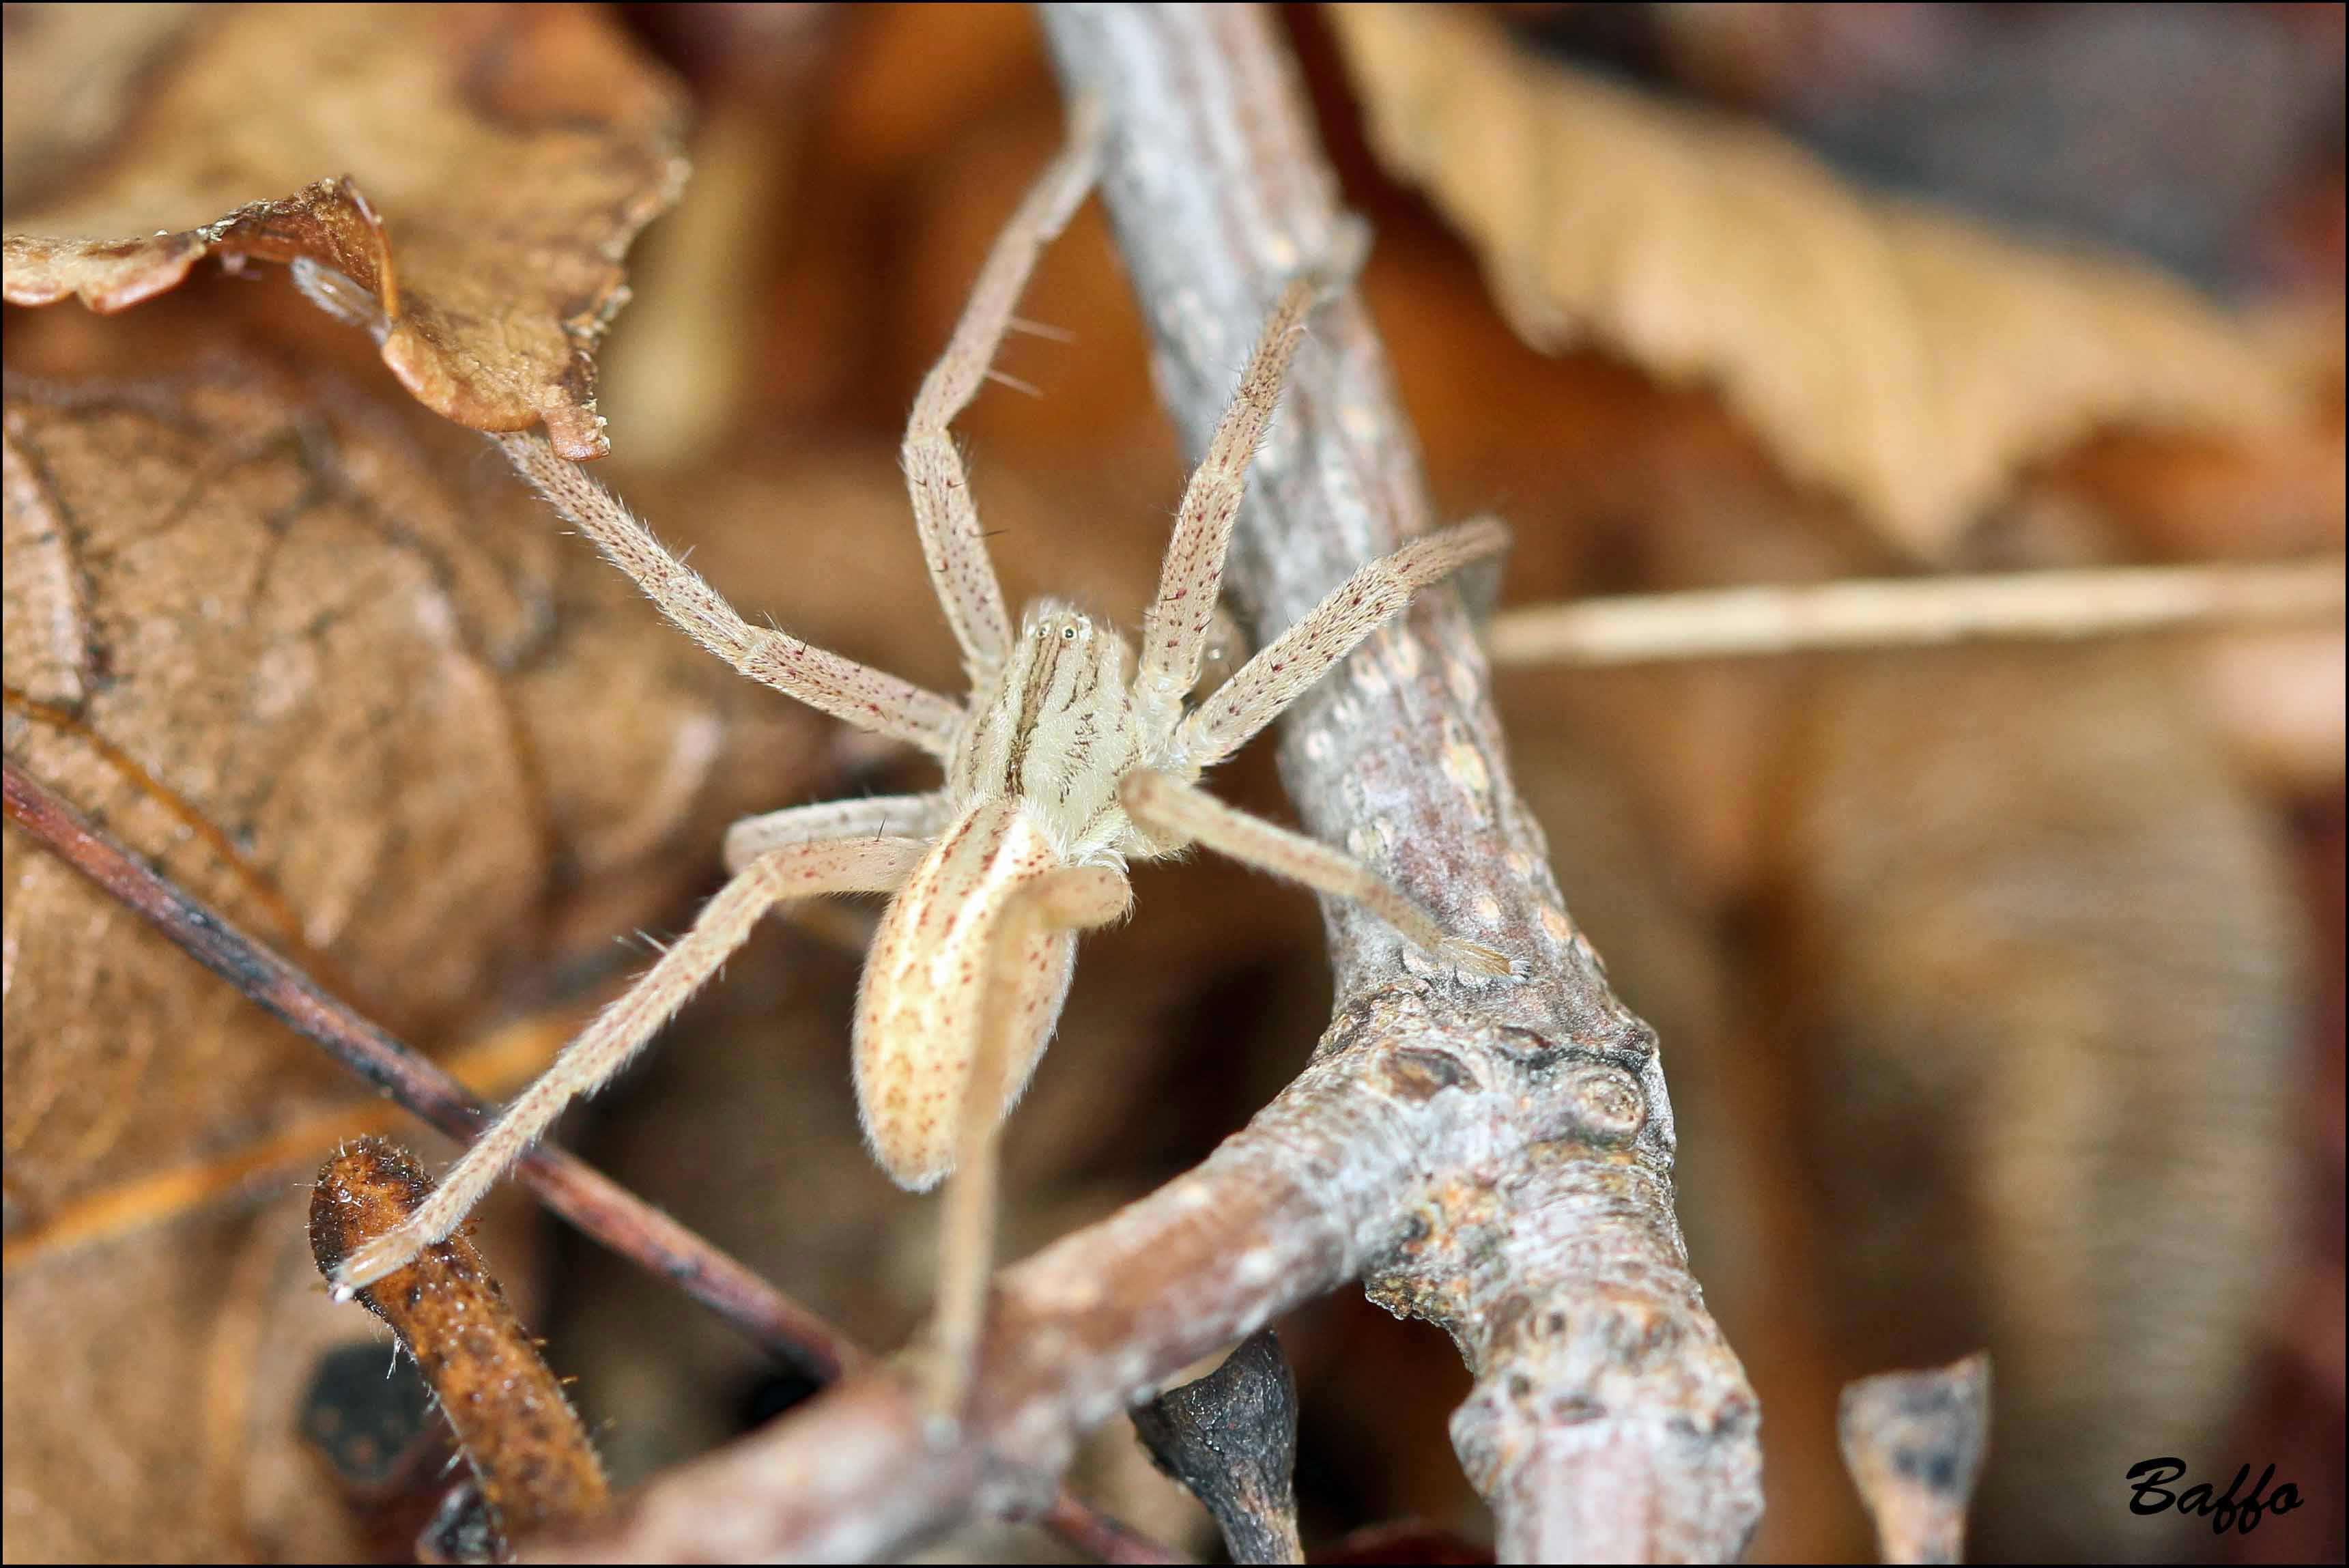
927, 986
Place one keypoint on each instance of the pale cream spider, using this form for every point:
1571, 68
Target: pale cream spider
1060, 767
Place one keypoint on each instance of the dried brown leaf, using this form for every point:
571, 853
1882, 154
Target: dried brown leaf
508, 156
1907, 360
152, 1391
219, 647
157, 1387
68, 74
357, 690
377, 719
2036, 946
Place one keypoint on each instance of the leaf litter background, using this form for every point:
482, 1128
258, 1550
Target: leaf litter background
1998, 989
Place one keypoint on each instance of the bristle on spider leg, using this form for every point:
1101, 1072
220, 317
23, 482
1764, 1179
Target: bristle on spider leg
1040, 329
1004, 379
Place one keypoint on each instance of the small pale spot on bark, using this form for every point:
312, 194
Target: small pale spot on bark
1555, 922
1465, 766
1403, 655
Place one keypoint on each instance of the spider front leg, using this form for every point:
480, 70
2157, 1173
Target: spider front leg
1165, 806
951, 542
1278, 675
1176, 627
1073, 898
801, 870
853, 692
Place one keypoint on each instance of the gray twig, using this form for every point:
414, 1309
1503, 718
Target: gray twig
1608, 1419
1494, 1156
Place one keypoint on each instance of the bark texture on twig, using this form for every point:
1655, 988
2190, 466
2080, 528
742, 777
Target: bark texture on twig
1914, 1442
1494, 1155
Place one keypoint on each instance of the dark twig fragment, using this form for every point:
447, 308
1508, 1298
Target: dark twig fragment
1913, 1443
382, 1440
461, 1530
536, 1468
1231, 1438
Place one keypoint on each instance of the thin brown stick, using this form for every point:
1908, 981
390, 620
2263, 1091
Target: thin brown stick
509, 1057
1103, 1536
594, 1203
1912, 611
598, 1206
265, 893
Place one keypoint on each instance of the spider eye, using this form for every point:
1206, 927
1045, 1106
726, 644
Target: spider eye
1068, 633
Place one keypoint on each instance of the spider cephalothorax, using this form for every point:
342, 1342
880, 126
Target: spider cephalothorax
1074, 753
1058, 731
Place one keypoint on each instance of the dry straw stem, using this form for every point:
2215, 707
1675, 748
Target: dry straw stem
1913, 1443
1492, 1154
536, 1468
1900, 612
599, 1207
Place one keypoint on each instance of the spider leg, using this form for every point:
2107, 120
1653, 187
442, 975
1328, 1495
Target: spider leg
1163, 804
801, 871
876, 816
1176, 628
853, 692
949, 522
1072, 898
1303, 654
